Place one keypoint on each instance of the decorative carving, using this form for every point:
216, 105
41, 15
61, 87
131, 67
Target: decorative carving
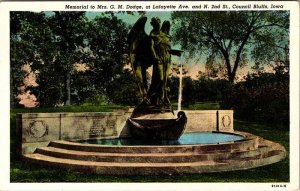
226, 121
97, 129
38, 129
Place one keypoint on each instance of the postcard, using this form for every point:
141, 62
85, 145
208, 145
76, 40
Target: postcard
151, 95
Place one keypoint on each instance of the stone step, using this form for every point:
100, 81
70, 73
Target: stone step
147, 157
122, 168
121, 157
249, 144
267, 158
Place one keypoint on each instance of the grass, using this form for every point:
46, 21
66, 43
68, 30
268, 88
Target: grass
100, 108
279, 172
200, 106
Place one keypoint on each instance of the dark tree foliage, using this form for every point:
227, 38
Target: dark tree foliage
68, 37
211, 90
188, 91
28, 34
263, 97
109, 52
174, 88
50, 43
233, 37
53, 42
123, 90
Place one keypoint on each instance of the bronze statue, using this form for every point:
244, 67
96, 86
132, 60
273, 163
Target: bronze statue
152, 50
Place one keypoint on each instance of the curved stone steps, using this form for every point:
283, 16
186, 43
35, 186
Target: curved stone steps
257, 161
249, 153
121, 157
245, 145
147, 157
156, 168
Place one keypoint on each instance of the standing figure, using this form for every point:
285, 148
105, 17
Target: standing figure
155, 50
160, 46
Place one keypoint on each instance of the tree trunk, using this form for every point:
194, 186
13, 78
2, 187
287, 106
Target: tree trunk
67, 89
230, 74
231, 78
12, 97
238, 57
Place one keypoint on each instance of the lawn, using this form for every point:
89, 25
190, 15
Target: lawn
279, 172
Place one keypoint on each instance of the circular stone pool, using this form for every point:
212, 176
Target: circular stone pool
185, 139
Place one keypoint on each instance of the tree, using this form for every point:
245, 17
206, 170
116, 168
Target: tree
53, 42
28, 31
123, 90
234, 37
62, 38
108, 52
69, 30
188, 91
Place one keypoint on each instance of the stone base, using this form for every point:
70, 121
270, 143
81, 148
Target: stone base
154, 115
157, 128
151, 113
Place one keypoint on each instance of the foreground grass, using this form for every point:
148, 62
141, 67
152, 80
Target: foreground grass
279, 172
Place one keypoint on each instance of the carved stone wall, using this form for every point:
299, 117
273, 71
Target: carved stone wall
92, 125
209, 120
38, 129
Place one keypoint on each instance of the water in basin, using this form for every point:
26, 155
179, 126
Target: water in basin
185, 139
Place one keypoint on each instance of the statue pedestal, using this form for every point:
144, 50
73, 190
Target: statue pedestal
153, 115
157, 126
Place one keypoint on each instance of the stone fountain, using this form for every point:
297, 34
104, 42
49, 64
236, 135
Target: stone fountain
149, 139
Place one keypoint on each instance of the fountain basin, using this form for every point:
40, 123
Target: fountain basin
185, 139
